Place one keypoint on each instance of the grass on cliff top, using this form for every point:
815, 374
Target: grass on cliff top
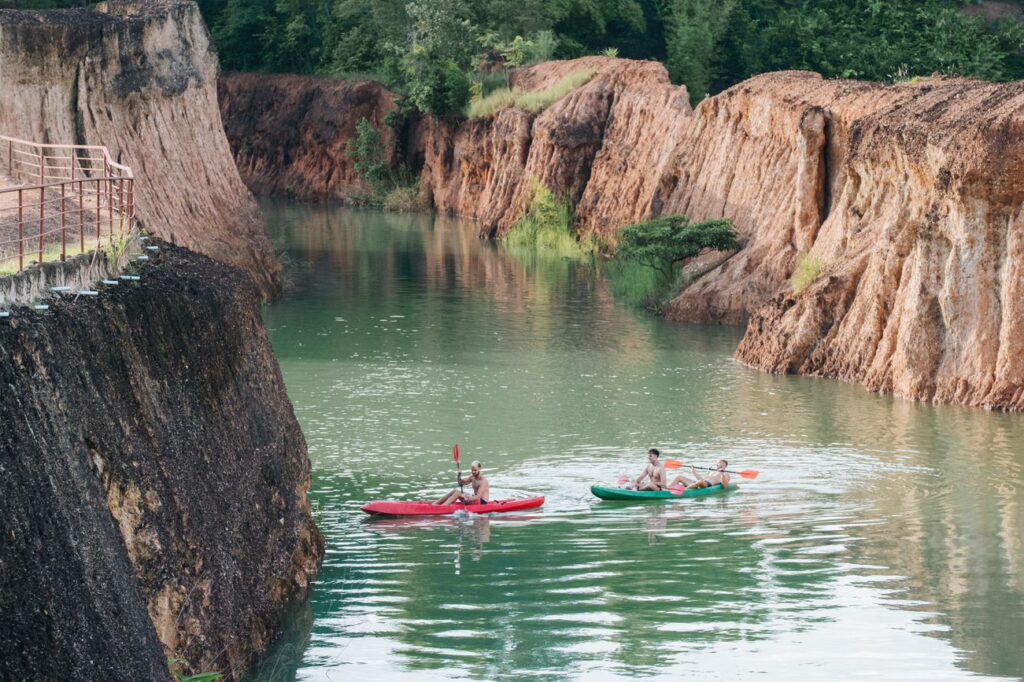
50, 253
532, 101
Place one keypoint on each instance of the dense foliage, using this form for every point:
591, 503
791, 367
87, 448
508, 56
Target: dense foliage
547, 227
438, 51
434, 50
647, 265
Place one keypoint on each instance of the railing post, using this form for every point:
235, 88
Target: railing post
42, 214
42, 166
10, 158
63, 228
81, 218
21, 230
99, 219
110, 210
120, 206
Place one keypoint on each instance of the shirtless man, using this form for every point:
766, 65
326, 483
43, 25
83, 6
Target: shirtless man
654, 474
717, 476
481, 488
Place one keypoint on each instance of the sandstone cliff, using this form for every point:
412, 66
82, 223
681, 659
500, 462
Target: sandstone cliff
290, 134
139, 78
907, 195
153, 481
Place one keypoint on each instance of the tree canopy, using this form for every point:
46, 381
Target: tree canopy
433, 50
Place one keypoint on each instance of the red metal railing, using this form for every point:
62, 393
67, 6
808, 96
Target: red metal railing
59, 198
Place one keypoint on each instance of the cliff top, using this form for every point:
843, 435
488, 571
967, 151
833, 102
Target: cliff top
99, 14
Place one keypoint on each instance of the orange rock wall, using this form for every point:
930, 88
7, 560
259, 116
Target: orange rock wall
908, 195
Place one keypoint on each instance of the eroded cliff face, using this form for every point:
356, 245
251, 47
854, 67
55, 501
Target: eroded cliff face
153, 489
923, 245
907, 195
290, 134
139, 78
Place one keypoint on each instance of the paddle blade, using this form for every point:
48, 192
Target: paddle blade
673, 464
750, 473
456, 453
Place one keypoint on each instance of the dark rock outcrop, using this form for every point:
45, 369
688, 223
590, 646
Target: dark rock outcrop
290, 134
153, 480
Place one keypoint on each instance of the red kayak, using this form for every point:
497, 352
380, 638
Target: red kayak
385, 508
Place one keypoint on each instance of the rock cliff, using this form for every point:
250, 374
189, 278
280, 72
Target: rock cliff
139, 78
290, 134
153, 481
907, 196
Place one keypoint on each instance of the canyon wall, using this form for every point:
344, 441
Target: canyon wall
153, 480
907, 198
141, 79
290, 134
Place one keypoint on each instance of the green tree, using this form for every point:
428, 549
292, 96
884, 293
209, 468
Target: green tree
664, 243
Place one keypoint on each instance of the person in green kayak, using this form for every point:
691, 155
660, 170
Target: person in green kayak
654, 476
481, 488
717, 476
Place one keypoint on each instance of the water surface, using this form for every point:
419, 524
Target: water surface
882, 541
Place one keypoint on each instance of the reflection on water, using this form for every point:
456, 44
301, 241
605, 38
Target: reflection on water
883, 538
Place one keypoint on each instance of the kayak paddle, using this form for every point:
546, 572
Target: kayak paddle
459, 465
747, 473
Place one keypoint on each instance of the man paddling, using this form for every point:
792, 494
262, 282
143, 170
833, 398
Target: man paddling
654, 476
718, 476
481, 488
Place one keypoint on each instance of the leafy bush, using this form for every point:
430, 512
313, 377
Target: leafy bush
640, 285
532, 101
610, 52
542, 47
395, 190
369, 157
403, 199
808, 269
646, 265
547, 227
437, 88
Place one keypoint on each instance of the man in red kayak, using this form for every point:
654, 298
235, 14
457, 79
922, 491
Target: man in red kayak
481, 488
654, 474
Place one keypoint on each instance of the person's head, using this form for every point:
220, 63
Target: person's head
652, 455
721, 464
475, 468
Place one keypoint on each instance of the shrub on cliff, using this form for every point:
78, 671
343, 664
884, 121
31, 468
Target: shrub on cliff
394, 190
648, 262
547, 227
808, 269
369, 158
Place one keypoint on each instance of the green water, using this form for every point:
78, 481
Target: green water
883, 539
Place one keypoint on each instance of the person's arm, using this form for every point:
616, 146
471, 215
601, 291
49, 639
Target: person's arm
696, 475
641, 477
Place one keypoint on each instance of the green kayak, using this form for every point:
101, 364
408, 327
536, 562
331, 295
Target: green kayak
623, 494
